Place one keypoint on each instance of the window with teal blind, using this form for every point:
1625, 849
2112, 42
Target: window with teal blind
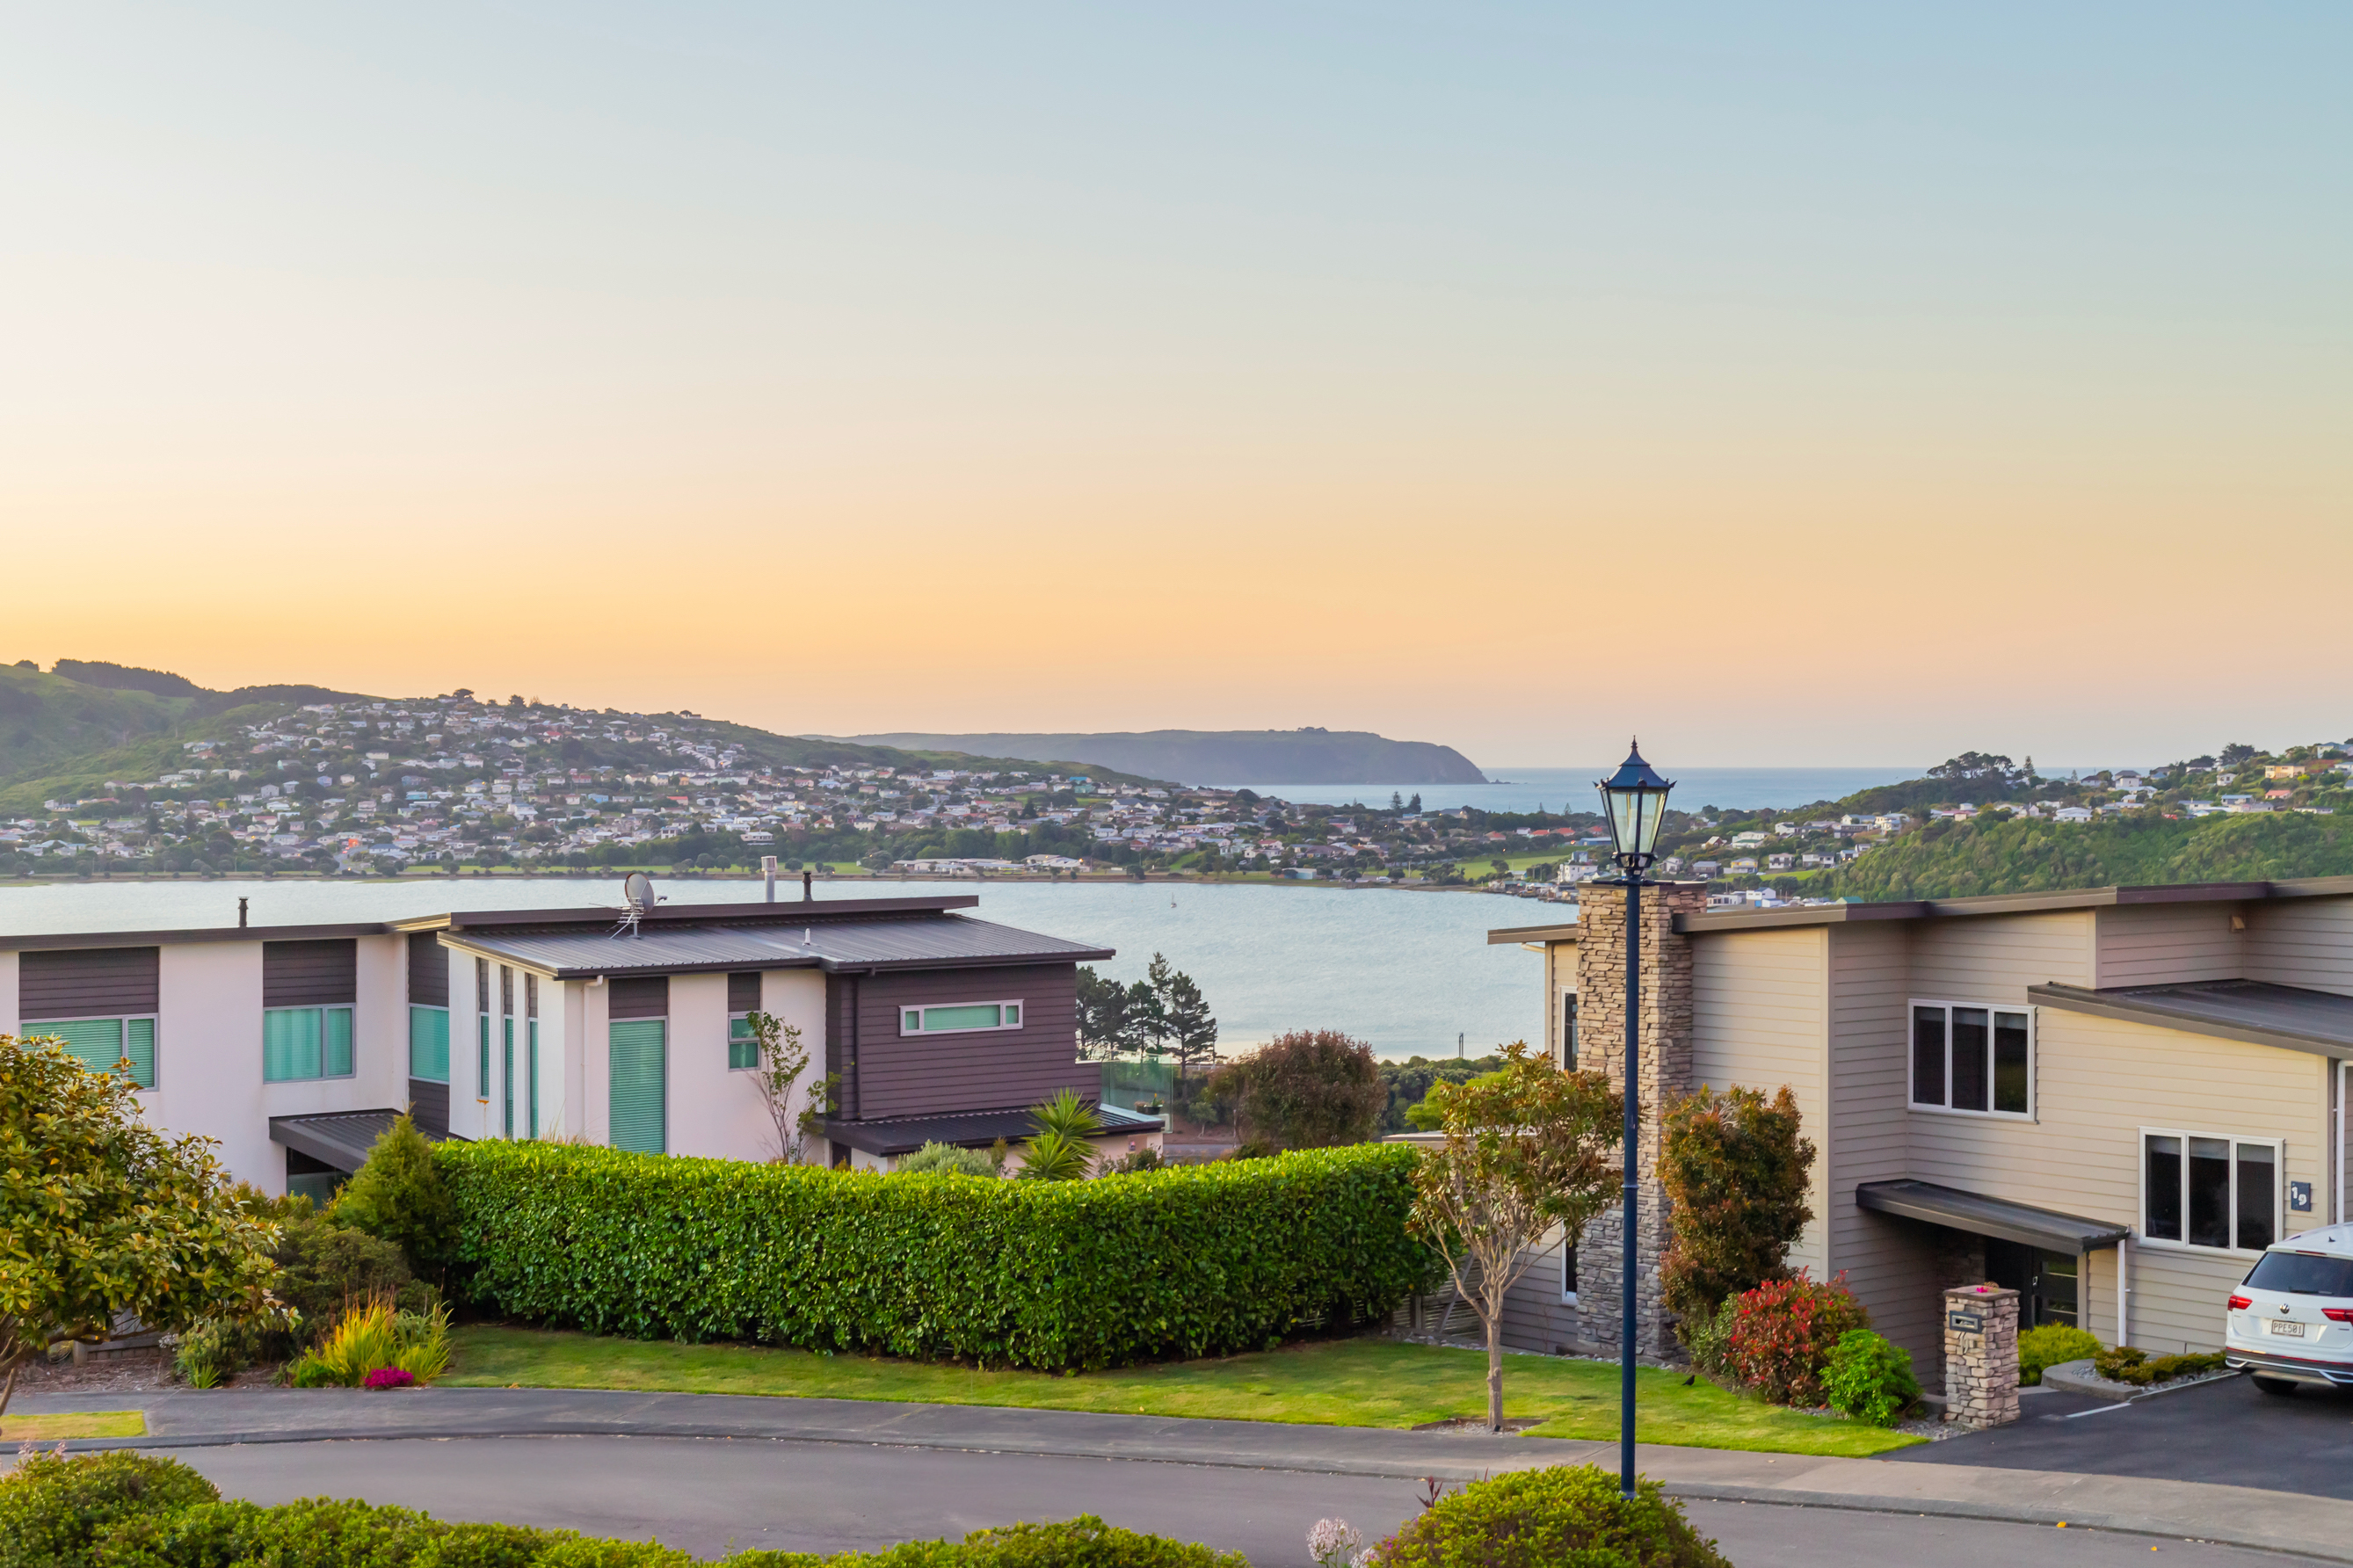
639, 1053
742, 1046
482, 1063
305, 1042
531, 1079
506, 1069
428, 1044
104, 1044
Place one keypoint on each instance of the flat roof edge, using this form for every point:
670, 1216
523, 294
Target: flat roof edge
1508, 935
2124, 1009
38, 941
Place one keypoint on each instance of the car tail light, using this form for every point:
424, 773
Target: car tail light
2240, 1303
2337, 1314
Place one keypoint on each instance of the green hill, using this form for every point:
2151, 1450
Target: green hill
1223, 756
46, 720
2140, 848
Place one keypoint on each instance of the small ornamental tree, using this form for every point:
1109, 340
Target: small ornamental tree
1525, 1150
397, 1196
100, 1213
1735, 1169
1308, 1089
782, 1060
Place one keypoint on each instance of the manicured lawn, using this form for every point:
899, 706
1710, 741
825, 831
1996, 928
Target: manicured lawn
1343, 1383
73, 1424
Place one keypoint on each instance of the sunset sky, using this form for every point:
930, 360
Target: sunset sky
1795, 384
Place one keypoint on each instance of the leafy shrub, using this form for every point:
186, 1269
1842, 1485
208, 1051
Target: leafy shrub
52, 1507
1540, 1518
323, 1268
1082, 1542
1870, 1378
1734, 1167
1704, 1338
375, 1334
1134, 1164
946, 1159
1783, 1331
128, 1511
1306, 1088
1197, 1260
2129, 1364
397, 1195
2051, 1345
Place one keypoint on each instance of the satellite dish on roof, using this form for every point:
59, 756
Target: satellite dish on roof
638, 900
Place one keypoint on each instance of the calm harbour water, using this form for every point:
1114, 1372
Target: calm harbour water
1571, 789
1406, 971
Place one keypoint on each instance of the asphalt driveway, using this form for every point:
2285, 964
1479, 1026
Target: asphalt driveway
2225, 1431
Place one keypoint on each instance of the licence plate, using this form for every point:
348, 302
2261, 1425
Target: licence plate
2293, 1331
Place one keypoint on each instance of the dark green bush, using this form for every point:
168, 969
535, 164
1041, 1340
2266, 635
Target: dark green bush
1544, 1518
398, 1195
53, 1507
128, 1510
2130, 1363
1734, 1168
1182, 1262
1082, 1542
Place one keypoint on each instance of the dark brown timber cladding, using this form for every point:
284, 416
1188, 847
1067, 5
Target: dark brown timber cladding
310, 974
86, 982
429, 971
647, 996
923, 1075
429, 1104
743, 993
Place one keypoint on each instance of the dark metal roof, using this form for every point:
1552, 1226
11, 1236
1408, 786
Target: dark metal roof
788, 911
887, 1136
2251, 1010
922, 940
1983, 1215
2017, 903
338, 1138
44, 941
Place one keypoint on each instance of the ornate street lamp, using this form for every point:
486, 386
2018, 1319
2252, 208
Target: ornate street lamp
1635, 799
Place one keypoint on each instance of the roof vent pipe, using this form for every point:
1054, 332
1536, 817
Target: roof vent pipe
240, 914
809, 887
768, 875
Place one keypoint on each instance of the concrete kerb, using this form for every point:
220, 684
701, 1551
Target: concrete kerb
2320, 1528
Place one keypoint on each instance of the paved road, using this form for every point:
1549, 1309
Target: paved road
711, 1495
2229, 1432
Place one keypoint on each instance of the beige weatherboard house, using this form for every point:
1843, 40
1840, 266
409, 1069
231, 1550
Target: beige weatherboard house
2109, 1098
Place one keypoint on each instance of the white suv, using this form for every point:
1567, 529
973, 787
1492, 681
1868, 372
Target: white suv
2292, 1320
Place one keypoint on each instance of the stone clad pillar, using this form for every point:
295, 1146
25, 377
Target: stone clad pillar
1665, 1019
1981, 1355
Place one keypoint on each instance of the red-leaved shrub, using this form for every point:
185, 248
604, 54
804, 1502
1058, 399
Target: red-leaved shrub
1783, 1331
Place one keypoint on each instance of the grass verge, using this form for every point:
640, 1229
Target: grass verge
1340, 1382
63, 1424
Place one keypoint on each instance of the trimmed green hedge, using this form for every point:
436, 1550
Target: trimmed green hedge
138, 1510
1182, 1262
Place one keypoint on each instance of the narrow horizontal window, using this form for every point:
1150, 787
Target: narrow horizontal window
961, 1017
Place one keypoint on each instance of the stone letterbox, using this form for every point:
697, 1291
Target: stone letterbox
1981, 1355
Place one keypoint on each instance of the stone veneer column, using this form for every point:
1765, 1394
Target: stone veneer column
1981, 1356
1664, 1021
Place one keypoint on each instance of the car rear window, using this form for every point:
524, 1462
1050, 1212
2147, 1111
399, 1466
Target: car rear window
2303, 1274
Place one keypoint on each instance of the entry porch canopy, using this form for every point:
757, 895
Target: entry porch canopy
1982, 1216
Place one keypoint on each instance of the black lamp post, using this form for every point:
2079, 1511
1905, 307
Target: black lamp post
1635, 797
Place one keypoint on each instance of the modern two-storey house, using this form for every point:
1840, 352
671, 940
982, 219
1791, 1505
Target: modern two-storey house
295, 1047
2111, 1098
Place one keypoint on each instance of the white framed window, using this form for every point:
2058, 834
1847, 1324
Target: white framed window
1972, 1057
960, 1018
2210, 1190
